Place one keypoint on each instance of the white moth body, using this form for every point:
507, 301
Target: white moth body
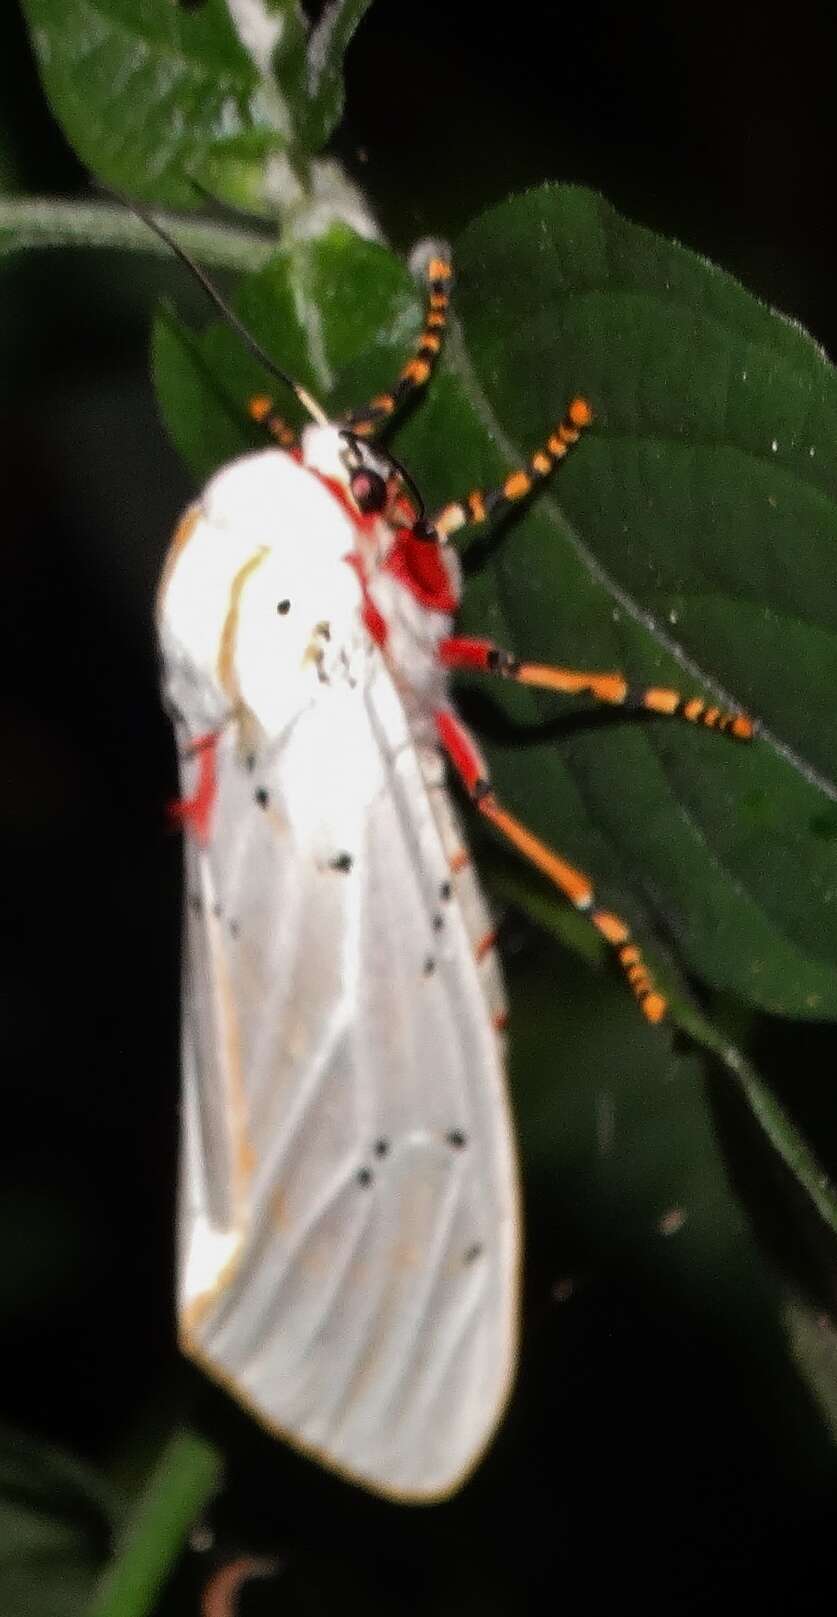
349, 1226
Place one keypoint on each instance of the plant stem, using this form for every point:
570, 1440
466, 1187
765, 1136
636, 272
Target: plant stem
179, 1488
47, 222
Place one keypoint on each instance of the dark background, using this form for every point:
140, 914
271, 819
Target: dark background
709, 125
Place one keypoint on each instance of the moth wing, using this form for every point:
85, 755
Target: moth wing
349, 1212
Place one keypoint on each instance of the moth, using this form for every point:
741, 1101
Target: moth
349, 1222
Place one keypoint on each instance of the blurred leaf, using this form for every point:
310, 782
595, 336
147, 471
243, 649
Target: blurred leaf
522, 888
155, 97
676, 543
625, 1184
813, 1341
163, 101
626, 1149
55, 1525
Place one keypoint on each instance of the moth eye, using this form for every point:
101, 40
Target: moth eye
369, 491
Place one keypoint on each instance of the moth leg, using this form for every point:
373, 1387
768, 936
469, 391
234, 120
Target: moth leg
260, 409
195, 811
417, 371
220, 1594
472, 770
483, 656
479, 505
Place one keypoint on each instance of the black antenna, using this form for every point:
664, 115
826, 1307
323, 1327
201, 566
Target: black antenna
306, 400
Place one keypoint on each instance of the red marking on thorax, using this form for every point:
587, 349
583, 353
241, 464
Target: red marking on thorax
363, 521
402, 512
418, 565
196, 811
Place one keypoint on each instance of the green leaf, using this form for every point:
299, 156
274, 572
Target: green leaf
679, 545
337, 314
55, 1526
157, 99
167, 101
676, 543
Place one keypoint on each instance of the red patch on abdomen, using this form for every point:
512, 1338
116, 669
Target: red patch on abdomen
196, 811
373, 619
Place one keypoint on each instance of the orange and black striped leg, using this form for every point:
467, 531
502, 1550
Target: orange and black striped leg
260, 409
482, 656
418, 369
471, 768
479, 505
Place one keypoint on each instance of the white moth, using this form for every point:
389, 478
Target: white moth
349, 1215
349, 1223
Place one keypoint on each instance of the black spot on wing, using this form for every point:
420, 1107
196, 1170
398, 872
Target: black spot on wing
262, 796
364, 1177
456, 1139
342, 861
283, 607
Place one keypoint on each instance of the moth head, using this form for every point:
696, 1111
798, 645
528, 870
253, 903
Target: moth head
337, 453
370, 474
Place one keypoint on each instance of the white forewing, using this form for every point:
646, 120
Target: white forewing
262, 514
349, 1220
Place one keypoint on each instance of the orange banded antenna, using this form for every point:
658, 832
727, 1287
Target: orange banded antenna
417, 371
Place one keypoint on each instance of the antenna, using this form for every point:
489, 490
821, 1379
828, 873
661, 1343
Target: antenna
305, 398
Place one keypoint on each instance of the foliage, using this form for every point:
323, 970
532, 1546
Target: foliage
688, 540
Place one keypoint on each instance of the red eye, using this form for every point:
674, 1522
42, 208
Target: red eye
369, 491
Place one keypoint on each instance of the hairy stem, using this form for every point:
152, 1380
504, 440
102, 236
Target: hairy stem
47, 222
